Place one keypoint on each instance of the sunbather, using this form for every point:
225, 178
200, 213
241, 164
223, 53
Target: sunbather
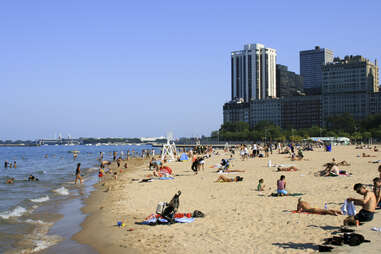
367, 155
303, 206
291, 168
223, 178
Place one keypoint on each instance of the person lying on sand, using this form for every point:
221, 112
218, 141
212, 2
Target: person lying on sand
291, 168
367, 155
376, 161
229, 170
303, 206
223, 178
342, 163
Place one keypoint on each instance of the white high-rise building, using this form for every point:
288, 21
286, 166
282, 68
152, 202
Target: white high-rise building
253, 71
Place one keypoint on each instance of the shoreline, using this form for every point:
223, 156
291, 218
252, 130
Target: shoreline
93, 210
238, 218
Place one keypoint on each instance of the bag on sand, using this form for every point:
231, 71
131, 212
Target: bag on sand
354, 239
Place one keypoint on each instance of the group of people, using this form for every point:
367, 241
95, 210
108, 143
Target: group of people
9, 164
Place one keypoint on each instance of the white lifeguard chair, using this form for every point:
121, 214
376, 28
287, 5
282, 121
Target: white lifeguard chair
169, 150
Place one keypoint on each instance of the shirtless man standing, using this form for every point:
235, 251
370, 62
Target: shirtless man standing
368, 203
303, 206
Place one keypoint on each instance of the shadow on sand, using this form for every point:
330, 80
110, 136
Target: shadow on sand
297, 246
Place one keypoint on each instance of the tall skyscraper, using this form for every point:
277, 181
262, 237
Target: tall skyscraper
311, 62
253, 73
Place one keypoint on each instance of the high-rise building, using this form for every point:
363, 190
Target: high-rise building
253, 73
349, 85
311, 62
288, 83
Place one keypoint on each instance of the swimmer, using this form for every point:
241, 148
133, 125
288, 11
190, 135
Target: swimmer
32, 178
11, 181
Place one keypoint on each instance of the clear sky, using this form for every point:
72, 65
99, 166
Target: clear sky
94, 68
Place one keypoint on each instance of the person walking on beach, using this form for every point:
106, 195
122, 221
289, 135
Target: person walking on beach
78, 174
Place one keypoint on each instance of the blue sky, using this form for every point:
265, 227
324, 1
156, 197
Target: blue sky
144, 68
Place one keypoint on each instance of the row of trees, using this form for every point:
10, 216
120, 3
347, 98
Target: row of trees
338, 126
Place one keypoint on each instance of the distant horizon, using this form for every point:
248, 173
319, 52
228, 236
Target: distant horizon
96, 69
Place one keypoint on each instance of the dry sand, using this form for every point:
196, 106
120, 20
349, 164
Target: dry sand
238, 219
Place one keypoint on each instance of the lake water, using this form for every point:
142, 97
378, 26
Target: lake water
29, 209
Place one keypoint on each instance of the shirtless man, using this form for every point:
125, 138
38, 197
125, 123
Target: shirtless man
368, 204
303, 206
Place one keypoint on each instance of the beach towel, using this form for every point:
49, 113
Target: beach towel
165, 178
348, 208
155, 219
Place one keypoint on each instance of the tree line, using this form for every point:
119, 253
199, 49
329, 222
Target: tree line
337, 126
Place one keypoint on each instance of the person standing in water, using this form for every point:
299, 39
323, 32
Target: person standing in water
6, 164
14, 164
78, 173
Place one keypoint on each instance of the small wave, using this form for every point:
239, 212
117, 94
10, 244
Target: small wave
62, 191
17, 212
41, 172
40, 200
37, 222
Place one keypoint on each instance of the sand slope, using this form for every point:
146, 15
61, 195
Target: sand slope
238, 218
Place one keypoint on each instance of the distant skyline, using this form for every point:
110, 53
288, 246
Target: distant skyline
131, 69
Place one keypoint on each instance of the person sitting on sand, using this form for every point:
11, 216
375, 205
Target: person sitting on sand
281, 186
368, 204
375, 149
303, 206
223, 178
261, 186
367, 155
291, 168
377, 190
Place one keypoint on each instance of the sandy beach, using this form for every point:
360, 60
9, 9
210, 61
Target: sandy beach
239, 219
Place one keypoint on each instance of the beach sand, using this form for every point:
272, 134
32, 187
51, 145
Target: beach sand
238, 218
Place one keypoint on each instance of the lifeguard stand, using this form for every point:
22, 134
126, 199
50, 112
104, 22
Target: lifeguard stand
169, 150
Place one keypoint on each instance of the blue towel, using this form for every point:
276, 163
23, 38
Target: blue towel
166, 178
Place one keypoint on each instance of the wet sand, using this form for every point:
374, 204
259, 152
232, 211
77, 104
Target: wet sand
238, 218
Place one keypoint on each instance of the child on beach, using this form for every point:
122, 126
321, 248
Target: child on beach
281, 186
261, 186
101, 174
